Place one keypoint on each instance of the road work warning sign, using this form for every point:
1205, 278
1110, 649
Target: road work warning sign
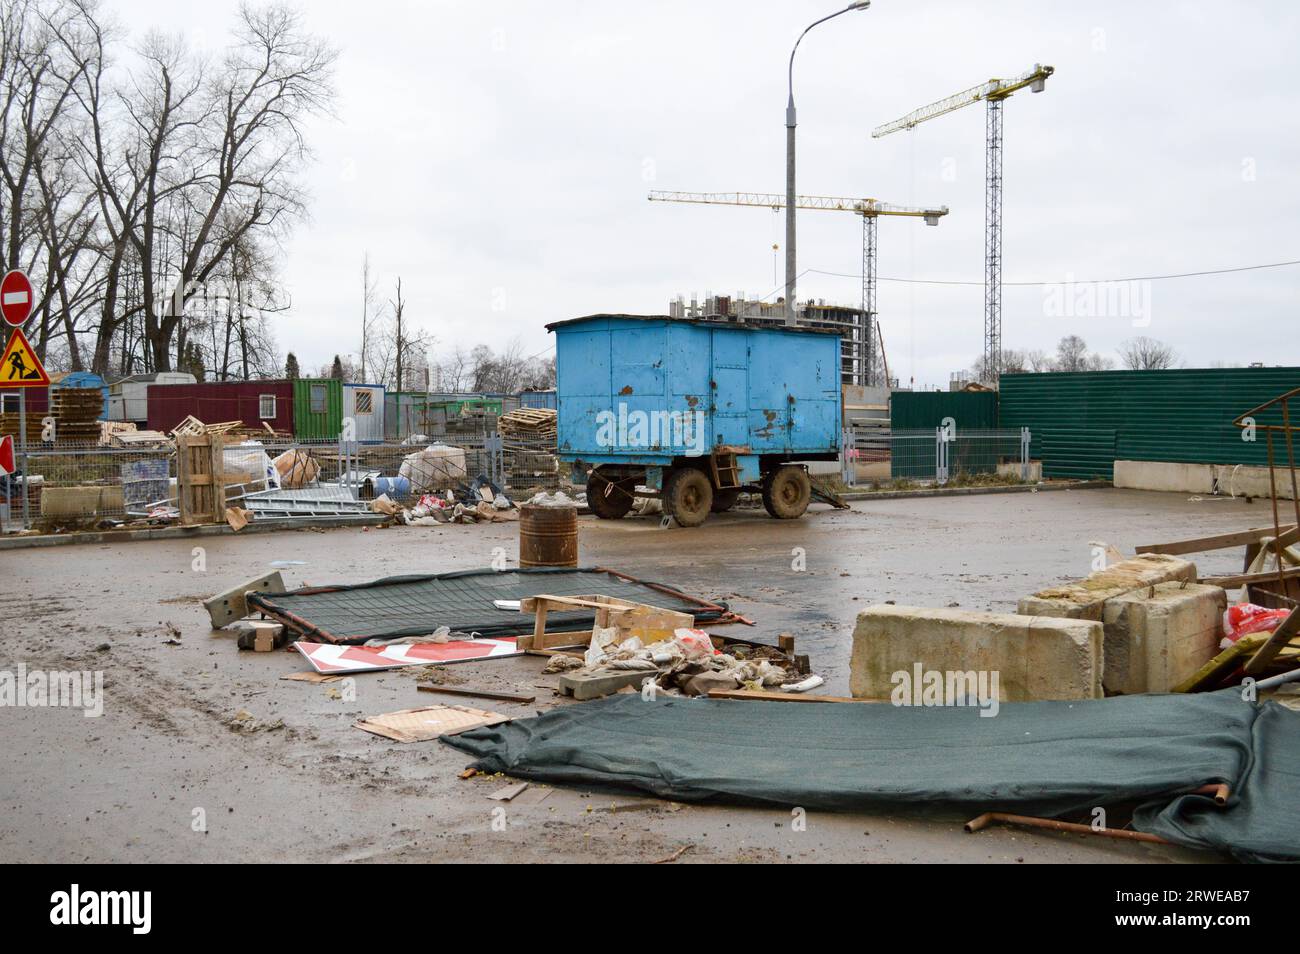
20, 368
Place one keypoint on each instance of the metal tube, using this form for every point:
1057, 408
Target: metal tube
1290, 459
22, 440
1272, 682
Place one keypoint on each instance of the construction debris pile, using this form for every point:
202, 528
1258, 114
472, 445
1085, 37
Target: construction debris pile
476, 502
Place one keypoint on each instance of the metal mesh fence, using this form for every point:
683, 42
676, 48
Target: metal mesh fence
942, 456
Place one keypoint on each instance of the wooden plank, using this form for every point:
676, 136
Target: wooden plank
479, 693
1218, 542
1281, 636
1246, 579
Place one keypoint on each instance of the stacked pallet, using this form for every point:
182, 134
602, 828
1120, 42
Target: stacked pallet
76, 413
193, 427
9, 424
528, 439
530, 423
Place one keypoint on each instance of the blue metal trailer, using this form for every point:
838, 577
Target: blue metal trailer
695, 412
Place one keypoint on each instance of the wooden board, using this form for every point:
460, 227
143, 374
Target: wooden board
428, 722
1220, 541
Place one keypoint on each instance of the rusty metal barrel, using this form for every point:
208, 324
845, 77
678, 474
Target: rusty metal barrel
548, 536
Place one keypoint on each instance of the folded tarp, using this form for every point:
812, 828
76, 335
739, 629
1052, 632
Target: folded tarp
462, 601
1041, 758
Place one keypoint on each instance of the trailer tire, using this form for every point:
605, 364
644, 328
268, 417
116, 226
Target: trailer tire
688, 496
724, 499
786, 492
609, 499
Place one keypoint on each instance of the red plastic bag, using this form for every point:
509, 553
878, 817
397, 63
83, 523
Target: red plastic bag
1247, 618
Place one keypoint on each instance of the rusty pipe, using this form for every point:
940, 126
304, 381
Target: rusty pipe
981, 821
1219, 791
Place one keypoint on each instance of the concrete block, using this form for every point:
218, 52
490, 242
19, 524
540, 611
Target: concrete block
1164, 475
1085, 599
1155, 638
1036, 657
80, 501
583, 686
231, 605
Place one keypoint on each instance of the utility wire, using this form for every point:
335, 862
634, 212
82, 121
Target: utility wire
1072, 281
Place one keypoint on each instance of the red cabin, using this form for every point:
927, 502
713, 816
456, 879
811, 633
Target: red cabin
215, 402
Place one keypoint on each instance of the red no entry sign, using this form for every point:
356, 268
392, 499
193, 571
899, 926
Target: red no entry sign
15, 297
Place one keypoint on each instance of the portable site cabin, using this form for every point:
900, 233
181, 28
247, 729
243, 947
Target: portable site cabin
538, 399
128, 398
255, 403
317, 409
407, 413
364, 404
697, 409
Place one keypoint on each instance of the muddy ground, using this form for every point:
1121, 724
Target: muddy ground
299, 783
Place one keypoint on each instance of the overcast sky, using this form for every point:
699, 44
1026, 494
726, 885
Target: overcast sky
497, 157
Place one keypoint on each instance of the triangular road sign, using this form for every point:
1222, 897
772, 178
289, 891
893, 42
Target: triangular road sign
20, 368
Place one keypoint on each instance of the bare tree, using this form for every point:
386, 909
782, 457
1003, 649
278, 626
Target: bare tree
1147, 354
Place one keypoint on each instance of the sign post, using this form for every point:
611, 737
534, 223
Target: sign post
20, 368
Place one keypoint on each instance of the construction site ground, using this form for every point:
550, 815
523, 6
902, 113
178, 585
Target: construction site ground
297, 782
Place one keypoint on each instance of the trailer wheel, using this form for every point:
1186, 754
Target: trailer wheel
725, 499
786, 492
609, 499
688, 496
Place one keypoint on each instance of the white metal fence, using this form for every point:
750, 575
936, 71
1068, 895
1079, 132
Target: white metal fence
940, 456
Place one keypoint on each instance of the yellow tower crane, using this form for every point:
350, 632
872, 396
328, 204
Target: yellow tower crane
870, 209
994, 93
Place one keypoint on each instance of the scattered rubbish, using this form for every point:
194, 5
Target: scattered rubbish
812, 682
238, 518
674, 856
562, 662
1244, 619
297, 468
557, 499
509, 792
312, 677
261, 636
335, 658
429, 722
286, 563
245, 723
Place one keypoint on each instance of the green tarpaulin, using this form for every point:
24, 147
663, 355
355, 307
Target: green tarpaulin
1041, 758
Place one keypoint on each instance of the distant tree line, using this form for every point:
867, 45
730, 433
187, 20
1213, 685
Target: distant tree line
145, 188
1072, 354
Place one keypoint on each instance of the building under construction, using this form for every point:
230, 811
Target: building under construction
860, 363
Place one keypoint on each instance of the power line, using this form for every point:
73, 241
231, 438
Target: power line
1074, 281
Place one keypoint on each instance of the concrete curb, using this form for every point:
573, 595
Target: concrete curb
972, 491
183, 533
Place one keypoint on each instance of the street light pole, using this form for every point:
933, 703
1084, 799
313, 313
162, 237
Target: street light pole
789, 163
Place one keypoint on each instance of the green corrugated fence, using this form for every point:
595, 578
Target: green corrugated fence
1082, 422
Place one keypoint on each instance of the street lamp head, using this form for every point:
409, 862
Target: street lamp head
858, 5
